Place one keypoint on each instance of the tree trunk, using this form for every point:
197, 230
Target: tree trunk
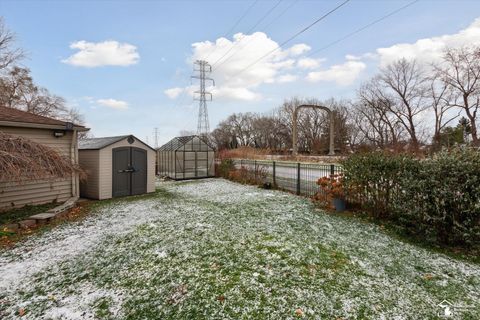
473, 129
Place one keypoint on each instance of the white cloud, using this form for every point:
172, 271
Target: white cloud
234, 93
230, 57
286, 78
107, 53
309, 63
353, 57
173, 93
232, 80
299, 49
112, 103
342, 74
430, 50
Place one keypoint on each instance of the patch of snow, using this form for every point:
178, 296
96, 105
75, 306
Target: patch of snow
276, 234
67, 241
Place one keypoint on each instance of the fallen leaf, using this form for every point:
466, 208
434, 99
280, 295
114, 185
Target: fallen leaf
428, 276
299, 312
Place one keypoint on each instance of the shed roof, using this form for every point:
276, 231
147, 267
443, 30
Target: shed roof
12, 116
99, 143
102, 142
178, 142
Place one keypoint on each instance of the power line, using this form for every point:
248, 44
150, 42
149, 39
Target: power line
293, 37
249, 30
280, 14
362, 28
264, 29
234, 25
241, 18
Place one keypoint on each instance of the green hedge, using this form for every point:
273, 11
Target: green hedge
437, 197
224, 168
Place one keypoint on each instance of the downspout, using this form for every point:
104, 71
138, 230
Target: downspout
74, 159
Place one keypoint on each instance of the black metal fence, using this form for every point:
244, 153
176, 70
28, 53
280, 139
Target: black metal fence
300, 178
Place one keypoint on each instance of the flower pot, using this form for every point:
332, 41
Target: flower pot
339, 204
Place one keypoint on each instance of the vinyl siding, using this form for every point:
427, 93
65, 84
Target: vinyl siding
89, 161
20, 193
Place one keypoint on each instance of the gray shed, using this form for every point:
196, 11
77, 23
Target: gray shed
116, 166
186, 157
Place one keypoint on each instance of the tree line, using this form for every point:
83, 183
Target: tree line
405, 106
18, 89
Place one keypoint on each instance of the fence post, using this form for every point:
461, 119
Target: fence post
298, 178
274, 179
332, 169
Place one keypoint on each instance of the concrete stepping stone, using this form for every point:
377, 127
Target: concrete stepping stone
42, 216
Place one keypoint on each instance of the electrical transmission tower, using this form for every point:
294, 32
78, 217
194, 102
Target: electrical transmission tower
155, 135
202, 68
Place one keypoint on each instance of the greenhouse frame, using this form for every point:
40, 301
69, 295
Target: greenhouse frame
188, 157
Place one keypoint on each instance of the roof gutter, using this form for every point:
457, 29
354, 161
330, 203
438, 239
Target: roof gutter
42, 126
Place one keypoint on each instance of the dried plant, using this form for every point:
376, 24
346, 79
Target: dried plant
22, 159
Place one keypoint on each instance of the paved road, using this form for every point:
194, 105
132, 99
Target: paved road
309, 172
286, 174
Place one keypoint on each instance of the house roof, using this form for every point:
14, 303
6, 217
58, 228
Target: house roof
100, 143
15, 117
178, 142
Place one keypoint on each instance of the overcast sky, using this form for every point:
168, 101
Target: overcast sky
126, 65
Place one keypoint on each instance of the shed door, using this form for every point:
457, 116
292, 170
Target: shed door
129, 171
121, 176
139, 174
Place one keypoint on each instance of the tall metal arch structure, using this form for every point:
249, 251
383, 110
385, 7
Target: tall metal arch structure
331, 149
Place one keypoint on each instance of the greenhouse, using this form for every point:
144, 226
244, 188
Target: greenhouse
187, 157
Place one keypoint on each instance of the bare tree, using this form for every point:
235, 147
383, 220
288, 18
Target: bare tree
75, 116
17, 90
9, 54
440, 96
461, 72
374, 116
405, 85
223, 138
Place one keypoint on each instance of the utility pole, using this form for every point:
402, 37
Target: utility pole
155, 136
202, 68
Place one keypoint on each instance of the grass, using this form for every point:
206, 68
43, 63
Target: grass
80, 211
18, 214
213, 249
469, 254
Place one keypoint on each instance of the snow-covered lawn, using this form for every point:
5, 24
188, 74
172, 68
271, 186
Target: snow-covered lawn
218, 250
